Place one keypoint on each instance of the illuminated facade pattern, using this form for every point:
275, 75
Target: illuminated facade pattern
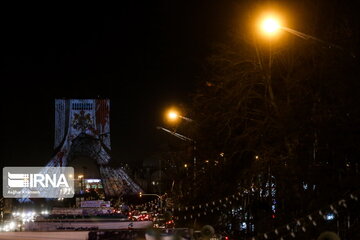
82, 126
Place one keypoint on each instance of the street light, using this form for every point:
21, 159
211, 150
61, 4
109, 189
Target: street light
271, 25
174, 115
152, 194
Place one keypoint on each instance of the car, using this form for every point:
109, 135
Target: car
160, 221
142, 216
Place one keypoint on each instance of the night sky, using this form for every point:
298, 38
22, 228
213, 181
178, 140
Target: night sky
143, 55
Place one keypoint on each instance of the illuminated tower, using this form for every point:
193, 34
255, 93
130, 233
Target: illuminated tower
82, 138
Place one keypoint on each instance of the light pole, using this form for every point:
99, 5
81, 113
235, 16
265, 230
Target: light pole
271, 25
174, 115
152, 194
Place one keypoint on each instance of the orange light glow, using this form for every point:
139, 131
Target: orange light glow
270, 22
270, 25
173, 115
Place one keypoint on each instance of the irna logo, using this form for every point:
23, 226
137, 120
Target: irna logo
38, 182
16, 180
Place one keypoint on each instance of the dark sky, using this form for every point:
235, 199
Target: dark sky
143, 55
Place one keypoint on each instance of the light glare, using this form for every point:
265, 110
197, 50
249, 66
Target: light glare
270, 25
172, 115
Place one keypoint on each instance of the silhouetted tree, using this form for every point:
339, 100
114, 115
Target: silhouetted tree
287, 111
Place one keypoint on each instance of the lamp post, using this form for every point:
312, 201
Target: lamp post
271, 25
152, 194
173, 115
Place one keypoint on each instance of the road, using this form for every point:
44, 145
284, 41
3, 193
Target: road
44, 235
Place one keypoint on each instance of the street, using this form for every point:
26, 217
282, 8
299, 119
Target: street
44, 235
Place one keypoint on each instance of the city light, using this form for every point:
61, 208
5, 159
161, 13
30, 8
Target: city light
12, 225
45, 212
330, 216
20, 218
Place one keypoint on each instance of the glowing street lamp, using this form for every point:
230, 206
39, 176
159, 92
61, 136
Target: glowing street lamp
152, 194
270, 25
173, 115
